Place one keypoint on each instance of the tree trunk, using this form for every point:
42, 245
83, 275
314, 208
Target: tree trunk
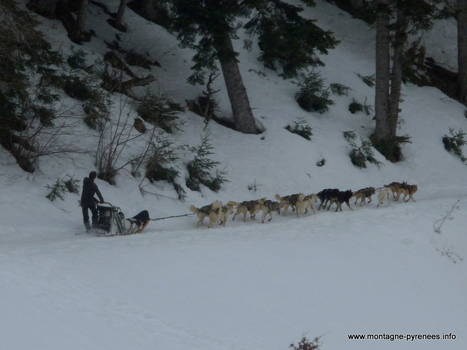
120, 13
244, 120
149, 9
400, 39
382, 77
462, 49
82, 14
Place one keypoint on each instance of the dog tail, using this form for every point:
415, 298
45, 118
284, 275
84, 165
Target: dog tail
278, 197
193, 208
235, 204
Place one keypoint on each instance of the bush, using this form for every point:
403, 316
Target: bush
199, 167
455, 142
369, 80
160, 111
312, 96
306, 344
355, 107
339, 89
62, 186
359, 155
301, 128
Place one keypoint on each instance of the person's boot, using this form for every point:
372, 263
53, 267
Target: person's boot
88, 227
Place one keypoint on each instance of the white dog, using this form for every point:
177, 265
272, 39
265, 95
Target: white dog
384, 194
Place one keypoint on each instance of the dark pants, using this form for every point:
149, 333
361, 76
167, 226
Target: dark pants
94, 213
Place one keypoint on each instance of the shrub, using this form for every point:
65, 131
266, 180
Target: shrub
355, 107
312, 96
339, 89
455, 142
199, 168
62, 186
369, 80
359, 155
306, 344
301, 128
160, 111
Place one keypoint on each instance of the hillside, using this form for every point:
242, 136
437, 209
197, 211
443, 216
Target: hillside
247, 285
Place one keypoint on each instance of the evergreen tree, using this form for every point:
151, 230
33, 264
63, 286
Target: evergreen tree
286, 38
23, 53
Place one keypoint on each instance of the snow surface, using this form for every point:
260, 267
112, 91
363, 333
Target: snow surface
247, 285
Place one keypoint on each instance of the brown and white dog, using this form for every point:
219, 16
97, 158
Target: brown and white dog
363, 194
252, 207
289, 201
226, 211
305, 202
213, 211
268, 207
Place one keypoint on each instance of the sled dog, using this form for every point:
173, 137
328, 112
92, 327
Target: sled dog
395, 188
409, 190
215, 213
325, 196
201, 213
252, 207
268, 207
363, 194
212, 211
339, 198
384, 193
304, 202
121, 225
289, 201
312, 199
225, 213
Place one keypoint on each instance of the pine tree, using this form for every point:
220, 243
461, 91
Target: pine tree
287, 39
208, 26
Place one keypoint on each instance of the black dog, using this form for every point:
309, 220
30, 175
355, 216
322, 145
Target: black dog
341, 197
326, 195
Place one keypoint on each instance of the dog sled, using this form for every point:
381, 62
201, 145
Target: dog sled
112, 222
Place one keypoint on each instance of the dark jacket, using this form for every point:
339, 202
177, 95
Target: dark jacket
89, 190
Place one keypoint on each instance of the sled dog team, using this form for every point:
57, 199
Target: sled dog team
300, 203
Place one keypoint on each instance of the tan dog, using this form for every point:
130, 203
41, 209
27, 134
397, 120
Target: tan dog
212, 211
289, 201
252, 207
201, 213
363, 194
312, 199
226, 211
215, 213
303, 202
396, 189
409, 190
